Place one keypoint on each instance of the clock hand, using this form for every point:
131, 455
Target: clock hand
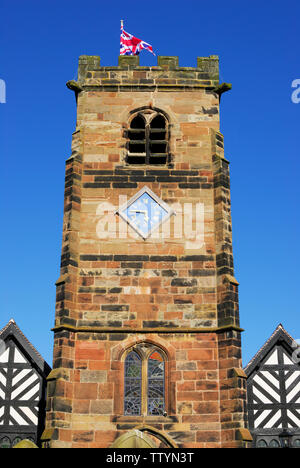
138, 211
146, 218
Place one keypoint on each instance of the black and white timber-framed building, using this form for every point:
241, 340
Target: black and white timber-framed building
273, 387
23, 374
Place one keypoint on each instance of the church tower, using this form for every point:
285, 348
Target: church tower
147, 345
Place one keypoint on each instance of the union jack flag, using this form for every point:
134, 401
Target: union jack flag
130, 45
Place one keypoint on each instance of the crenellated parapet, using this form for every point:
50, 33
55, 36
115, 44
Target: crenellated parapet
167, 74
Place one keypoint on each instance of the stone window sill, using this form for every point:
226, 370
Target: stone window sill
145, 419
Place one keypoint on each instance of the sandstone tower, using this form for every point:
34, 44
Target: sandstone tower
147, 333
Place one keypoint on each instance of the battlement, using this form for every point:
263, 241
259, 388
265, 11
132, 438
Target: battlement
166, 74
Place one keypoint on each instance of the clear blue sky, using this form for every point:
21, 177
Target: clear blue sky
258, 46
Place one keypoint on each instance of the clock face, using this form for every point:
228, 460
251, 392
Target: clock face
145, 212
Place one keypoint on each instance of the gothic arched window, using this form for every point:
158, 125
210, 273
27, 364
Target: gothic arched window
5, 442
16, 441
156, 383
133, 384
262, 444
274, 443
144, 385
148, 138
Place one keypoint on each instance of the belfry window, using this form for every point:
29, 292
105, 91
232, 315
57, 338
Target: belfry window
148, 138
144, 386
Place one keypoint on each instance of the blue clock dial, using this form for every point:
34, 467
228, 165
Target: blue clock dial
145, 214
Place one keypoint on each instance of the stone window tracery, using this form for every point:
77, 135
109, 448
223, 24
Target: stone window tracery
144, 381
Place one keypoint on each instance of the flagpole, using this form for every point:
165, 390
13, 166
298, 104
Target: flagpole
121, 24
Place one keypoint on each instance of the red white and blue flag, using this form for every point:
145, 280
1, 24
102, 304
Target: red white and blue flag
130, 45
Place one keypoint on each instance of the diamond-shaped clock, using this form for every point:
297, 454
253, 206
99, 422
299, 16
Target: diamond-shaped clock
145, 212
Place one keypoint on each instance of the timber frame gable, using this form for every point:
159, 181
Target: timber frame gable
273, 388
23, 374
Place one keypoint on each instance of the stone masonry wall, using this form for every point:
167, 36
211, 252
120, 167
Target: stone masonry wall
176, 289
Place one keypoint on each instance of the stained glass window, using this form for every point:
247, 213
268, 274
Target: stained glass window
5, 442
156, 384
262, 443
133, 384
296, 443
274, 444
16, 441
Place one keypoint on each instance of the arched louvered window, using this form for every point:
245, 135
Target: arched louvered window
137, 139
148, 138
144, 386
